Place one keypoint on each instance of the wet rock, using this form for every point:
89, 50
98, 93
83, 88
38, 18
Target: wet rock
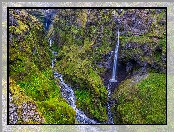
112, 102
28, 111
57, 75
106, 61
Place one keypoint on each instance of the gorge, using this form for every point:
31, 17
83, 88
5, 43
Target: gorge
75, 66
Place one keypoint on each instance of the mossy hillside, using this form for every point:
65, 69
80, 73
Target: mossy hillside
30, 68
141, 103
78, 71
80, 49
57, 111
47, 95
76, 57
19, 97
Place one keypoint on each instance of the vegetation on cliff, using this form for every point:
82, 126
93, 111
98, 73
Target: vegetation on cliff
82, 38
141, 102
30, 68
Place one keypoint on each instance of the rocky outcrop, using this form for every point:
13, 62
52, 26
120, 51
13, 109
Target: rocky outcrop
143, 39
22, 109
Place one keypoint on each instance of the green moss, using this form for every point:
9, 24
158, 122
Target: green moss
77, 68
143, 102
39, 86
30, 68
57, 111
19, 97
85, 101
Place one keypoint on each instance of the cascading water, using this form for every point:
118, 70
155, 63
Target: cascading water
114, 70
46, 25
110, 118
113, 79
68, 94
50, 42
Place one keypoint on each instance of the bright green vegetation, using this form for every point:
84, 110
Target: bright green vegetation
143, 102
86, 101
78, 71
77, 59
30, 68
80, 48
18, 99
79, 52
57, 111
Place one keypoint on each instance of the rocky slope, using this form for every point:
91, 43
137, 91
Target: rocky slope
85, 40
31, 75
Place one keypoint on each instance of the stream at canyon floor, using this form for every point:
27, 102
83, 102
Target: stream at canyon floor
68, 93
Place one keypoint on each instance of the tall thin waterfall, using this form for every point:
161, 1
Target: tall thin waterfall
50, 42
114, 70
46, 24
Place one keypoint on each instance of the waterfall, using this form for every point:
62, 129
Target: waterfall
114, 70
68, 93
113, 79
50, 42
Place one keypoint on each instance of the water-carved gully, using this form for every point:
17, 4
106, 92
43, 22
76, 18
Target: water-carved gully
107, 65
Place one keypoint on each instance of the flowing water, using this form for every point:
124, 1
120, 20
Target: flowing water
68, 93
50, 42
113, 79
114, 69
110, 120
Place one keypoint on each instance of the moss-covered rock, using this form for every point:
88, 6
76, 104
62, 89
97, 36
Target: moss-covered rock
84, 40
30, 67
57, 111
78, 71
149, 45
22, 108
141, 100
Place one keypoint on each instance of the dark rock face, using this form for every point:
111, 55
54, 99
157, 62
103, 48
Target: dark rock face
49, 16
12, 20
107, 60
144, 50
142, 55
134, 22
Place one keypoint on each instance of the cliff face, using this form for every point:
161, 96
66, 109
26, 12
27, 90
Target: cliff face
144, 40
85, 40
143, 50
30, 70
